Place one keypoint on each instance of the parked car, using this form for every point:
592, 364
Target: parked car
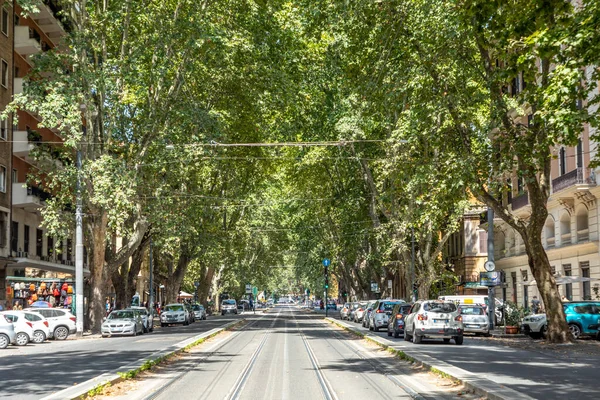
229, 306
41, 327
367, 315
61, 322
359, 313
476, 299
434, 319
190, 313
147, 318
199, 311
583, 318
475, 319
381, 312
7, 332
345, 311
175, 313
331, 305
396, 320
123, 322
23, 328
353, 308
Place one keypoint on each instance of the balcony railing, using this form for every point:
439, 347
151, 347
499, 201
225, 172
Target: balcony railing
569, 179
39, 193
520, 201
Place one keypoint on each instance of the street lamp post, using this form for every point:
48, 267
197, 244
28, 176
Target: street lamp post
151, 268
79, 253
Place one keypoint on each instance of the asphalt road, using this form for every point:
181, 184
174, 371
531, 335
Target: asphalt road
34, 371
287, 354
546, 375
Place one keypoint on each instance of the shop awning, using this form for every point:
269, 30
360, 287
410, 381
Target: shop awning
185, 295
46, 266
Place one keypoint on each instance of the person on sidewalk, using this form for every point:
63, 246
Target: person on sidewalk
535, 305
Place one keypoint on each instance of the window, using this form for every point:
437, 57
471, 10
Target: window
3, 228
4, 21
568, 286
562, 161
2, 179
513, 276
520, 185
26, 239
14, 236
579, 154
3, 128
585, 286
39, 242
4, 79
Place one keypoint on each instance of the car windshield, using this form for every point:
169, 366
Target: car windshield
197, 307
175, 307
229, 302
439, 307
404, 309
120, 315
471, 310
387, 306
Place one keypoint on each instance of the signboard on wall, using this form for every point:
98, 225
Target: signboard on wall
493, 278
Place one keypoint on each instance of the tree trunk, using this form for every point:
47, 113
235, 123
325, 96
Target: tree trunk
558, 330
98, 275
176, 275
119, 281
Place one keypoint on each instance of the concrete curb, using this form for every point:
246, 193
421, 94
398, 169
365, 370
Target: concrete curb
479, 385
80, 390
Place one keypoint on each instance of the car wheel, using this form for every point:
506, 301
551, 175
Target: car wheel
4, 341
458, 340
575, 330
389, 332
446, 340
22, 339
416, 338
162, 325
104, 336
39, 337
61, 333
544, 332
204, 317
222, 314
406, 335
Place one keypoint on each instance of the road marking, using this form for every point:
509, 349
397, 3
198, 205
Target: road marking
241, 381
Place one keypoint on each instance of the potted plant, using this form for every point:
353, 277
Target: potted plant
513, 314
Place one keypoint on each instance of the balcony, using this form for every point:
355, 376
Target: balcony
18, 85
520, 201
29, 198
23, 143
27, 41
569, 179
50, 21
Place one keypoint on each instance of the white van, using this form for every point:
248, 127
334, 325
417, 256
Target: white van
475, 299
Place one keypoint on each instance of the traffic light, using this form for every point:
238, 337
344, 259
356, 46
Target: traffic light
326, 282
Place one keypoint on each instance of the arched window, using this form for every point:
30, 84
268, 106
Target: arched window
582, 224
549, 232
565, 228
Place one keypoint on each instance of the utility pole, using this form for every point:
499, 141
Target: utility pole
151, 268
326, 263
79, 253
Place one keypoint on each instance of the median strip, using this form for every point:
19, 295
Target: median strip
97, 385
481, 386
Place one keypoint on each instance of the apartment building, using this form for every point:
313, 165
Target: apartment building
29, 253
6, 90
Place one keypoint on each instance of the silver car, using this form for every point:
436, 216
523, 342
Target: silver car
379, 316
229, 306
123, 322
474, 319
360, 311
7, 332
199, 311
434, 319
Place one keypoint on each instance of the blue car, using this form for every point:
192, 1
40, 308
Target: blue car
583, 317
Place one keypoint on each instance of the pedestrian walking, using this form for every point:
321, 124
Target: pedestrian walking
535, 305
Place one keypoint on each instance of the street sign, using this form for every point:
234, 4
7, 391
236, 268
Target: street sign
254, 290
326, 262
248, 289
493, 278
374, 287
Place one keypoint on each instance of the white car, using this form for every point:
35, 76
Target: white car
61, 321
434, 319
174, 314
534, 325
229, 306
23, 328
7, 332
41, 327
122, 322
147, 317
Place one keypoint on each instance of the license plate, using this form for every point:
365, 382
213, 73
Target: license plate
440, 321
472, 326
